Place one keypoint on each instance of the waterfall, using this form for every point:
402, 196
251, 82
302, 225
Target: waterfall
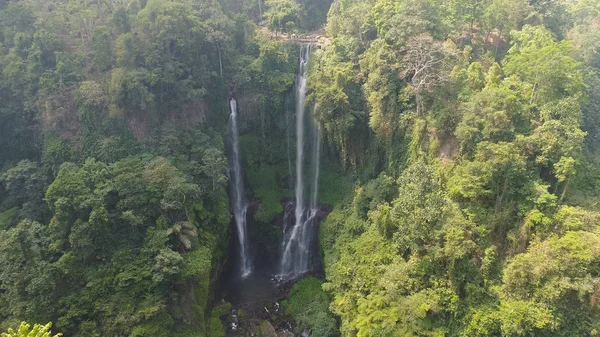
239, 203
260, 10
295, 259
300, 110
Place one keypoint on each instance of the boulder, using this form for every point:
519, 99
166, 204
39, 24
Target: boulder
267, 330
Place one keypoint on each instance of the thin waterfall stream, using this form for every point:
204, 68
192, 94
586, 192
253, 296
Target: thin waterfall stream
297, 242
239, 203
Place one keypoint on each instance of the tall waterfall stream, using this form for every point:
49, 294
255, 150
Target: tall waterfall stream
239, 204
298, 235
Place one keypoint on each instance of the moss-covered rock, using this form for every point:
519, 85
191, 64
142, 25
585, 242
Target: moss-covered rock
221, 309
266, 330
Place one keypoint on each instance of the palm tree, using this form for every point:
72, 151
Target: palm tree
183, 231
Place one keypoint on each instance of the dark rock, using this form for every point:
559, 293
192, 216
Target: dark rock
267, 330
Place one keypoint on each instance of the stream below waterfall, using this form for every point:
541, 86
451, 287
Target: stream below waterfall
257, 298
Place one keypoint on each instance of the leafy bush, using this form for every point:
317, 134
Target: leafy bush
334, 187
26, 331
309, 306
215, 328
8, 218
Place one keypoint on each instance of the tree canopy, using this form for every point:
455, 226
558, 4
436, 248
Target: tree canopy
459, 166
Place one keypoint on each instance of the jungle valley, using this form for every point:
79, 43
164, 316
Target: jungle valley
281, 168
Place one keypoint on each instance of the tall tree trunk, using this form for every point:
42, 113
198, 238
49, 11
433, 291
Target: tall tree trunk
502, 195
564, 192
471, 31
220, 61
81, 34
532, 99
497, 45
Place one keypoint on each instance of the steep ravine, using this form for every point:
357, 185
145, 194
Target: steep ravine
255, 283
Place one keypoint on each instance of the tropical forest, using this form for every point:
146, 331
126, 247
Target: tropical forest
299, 168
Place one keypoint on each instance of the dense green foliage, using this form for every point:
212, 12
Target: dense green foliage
126, 242
475, 112
113, 207
36, 331
308, 304
460, 158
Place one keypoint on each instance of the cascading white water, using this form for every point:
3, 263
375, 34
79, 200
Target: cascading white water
295, 259
240, 205
300, 111
260, 11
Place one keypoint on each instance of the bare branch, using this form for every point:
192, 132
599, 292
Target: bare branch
427, 63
